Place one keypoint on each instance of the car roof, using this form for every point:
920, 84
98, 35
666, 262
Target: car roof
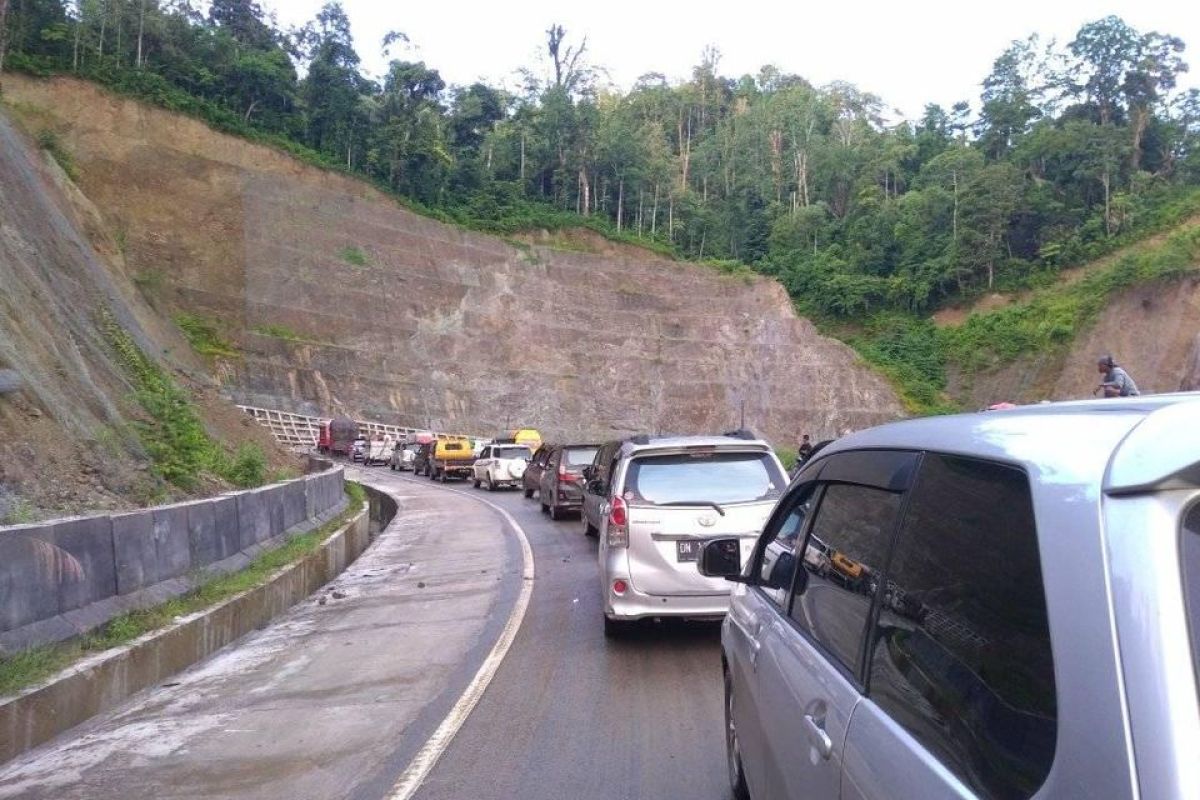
1119, 444
641, 443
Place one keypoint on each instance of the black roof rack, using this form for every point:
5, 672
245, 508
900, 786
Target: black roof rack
741, 433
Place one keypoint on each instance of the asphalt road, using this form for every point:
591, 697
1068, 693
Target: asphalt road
335, 700
573, 715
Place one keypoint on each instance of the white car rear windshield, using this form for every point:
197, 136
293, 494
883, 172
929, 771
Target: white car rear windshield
512, 452
704, 477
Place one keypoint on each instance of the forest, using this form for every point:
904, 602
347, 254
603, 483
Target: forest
1070, 149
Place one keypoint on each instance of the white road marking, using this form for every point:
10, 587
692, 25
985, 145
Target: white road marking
427, 757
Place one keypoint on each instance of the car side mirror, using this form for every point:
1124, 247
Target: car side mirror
588, 472
595, 486
721, 558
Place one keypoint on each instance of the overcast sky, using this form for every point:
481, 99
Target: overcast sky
908, 53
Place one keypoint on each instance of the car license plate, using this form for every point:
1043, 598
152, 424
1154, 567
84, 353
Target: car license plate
688, 549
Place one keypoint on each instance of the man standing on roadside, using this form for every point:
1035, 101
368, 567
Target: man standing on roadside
805, 449
1116, 382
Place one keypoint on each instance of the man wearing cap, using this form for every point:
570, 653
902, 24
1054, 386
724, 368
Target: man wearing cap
1116, 382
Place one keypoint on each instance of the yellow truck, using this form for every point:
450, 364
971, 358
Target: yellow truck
450, 457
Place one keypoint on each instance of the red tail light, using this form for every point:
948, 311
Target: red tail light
617, 513
618, 534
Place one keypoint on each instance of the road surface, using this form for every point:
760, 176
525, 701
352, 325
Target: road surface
285, 714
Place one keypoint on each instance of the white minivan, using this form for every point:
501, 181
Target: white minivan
656, 501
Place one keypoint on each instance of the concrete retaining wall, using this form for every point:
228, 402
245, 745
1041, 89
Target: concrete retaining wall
101, 682
64, 577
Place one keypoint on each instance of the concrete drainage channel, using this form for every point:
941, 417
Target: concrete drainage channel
104, 680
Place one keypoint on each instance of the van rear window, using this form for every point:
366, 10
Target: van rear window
704, 477
1190, 555
580, 456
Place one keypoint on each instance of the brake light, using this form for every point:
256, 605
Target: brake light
619, 586
567, 475
618, 534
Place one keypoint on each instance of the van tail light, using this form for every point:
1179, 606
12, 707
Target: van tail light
618, 520
565, 474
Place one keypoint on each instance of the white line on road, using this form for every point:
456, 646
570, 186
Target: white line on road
425, 759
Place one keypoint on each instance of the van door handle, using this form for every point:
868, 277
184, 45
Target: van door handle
817, 735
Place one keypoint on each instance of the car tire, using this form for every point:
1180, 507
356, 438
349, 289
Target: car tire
476, 482
491, 484
733, 749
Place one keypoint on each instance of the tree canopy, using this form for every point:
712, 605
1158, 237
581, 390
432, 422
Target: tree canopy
1072, 147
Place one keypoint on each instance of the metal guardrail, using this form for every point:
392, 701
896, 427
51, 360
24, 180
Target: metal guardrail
300, 430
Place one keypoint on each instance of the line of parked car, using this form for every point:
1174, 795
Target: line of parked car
993, 605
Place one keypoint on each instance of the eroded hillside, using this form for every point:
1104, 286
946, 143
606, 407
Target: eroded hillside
337, 299
68, 438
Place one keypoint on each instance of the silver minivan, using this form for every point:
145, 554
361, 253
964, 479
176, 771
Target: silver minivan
1003, 604
656, 501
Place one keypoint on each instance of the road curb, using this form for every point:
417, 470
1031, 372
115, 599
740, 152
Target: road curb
103, 681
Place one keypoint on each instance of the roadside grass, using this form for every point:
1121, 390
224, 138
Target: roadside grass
181, 450
34, 665
204, 335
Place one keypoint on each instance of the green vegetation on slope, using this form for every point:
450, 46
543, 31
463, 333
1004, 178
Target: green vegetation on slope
204, 335
30, 666
915, 354
180, 449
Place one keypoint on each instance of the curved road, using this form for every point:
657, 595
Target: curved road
568, 714
573, 715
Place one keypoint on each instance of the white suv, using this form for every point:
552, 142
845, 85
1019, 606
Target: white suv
660, 499
501, 465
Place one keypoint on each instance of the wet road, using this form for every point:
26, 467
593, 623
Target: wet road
334, 700
573, 715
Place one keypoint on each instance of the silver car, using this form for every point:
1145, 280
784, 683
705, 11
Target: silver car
663, 499
1003, 604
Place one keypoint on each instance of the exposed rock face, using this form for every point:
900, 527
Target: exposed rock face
1152, 330
342, 301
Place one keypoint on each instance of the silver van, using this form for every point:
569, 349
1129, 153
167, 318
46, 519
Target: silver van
655, 502
1000, 605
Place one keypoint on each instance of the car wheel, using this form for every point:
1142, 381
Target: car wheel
491, 484
733, 749
476, 482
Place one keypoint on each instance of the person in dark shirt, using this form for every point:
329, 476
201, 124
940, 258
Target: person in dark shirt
805, 449
1116, 382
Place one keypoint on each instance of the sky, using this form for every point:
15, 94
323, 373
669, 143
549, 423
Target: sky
909, 53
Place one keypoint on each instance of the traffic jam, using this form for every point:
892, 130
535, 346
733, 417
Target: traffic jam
1001, 604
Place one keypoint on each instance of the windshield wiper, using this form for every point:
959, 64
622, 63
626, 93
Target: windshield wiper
720, 510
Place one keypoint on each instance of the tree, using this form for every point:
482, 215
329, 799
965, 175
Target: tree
1007, 107
1104, 51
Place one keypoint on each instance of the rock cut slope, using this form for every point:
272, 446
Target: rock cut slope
341, 300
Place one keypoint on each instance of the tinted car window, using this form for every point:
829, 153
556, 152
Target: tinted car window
843, 558
1190, 552
777, 564
510, 452
961, 657
719, 477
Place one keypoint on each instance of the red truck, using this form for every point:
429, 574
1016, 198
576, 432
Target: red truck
337, 436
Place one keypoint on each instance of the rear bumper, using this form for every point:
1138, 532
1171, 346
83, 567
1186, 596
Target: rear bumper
638, 605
